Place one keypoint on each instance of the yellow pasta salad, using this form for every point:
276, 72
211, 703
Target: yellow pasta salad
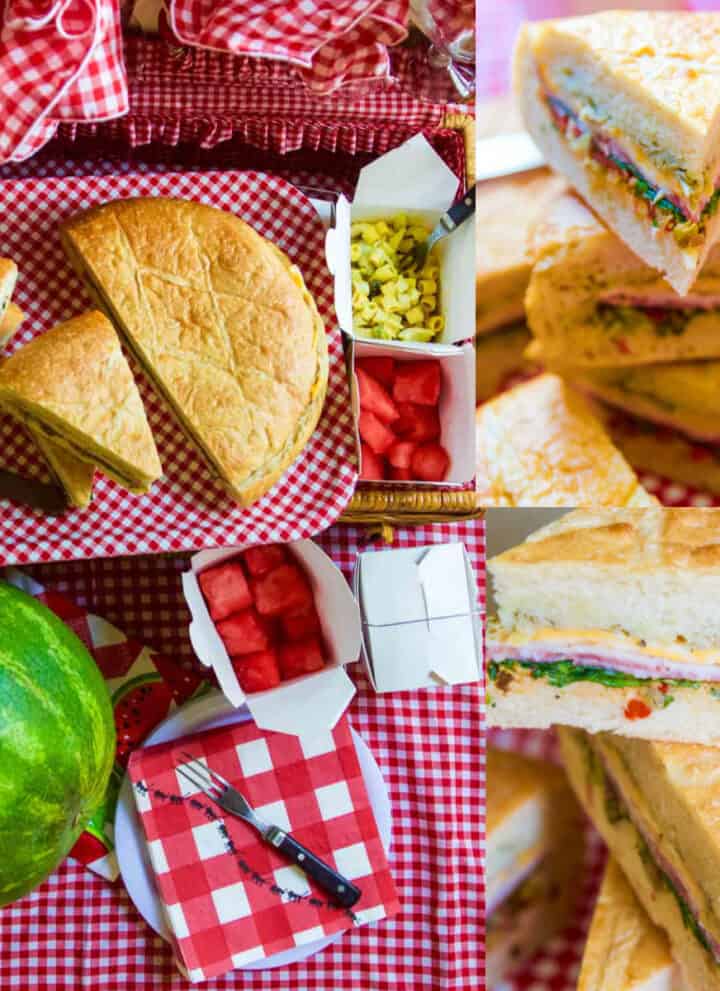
391, 299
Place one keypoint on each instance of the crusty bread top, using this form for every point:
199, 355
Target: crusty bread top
74, 379
657, 74
624, 950
638, 540
540, 445
514, 779
222, 322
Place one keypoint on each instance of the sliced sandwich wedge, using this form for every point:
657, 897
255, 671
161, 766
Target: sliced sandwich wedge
73, 387
10, 322
8, 278
625, 951
535, 847
539, 444
655, 805
75, 475
606, 620
592, 303
626, 105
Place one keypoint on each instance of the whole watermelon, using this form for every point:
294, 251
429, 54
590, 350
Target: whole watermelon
57, 741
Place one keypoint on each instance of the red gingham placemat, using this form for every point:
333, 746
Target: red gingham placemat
77, 932
556, 966
187, 508
226, 894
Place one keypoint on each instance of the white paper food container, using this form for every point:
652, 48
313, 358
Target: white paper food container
420, 617
456, 409
313, 702
414, 180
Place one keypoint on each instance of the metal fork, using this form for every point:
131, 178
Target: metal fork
457, 214
220, 791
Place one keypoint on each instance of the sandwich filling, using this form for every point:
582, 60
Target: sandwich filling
616, 810
667, 210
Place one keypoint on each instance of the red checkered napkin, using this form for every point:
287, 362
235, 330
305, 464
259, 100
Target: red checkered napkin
230, 898
59, 60
332, 43
186, 509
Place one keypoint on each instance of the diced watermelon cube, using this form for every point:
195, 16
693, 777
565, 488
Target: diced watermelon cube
300, 625
374, 398
381, 369
430, 463
417, 382
243, 633
301, 657
372, 466
284, 590
257, 672
374, 432
417, 423
400, 474
400, 453
225, 589
260, 560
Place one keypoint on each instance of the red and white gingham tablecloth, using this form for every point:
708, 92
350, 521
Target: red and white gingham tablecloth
78, 933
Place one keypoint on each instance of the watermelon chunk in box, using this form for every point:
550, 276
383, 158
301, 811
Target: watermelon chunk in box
260, 560
417, 423
417, 382
374, 398
257, 672
244, 633
284, 590
379, 368
372, 466
225, 589
302, 657
400, 453
376, 434
299, 625
430, 463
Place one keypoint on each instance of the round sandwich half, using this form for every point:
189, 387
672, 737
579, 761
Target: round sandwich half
222, 323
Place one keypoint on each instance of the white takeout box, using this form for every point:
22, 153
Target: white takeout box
420, 617
304, 705
414, 180
456, 409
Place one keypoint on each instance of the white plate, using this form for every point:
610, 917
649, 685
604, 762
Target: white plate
137, 874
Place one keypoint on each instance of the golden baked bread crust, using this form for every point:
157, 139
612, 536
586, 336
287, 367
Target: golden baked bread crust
539, 445
222, 323
11, 320
73, 384
75, 476
643, 540
624, 950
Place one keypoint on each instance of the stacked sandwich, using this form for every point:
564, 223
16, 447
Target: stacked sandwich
606, 625
623, 297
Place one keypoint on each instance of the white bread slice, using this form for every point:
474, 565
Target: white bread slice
624, 950
652, 574
699, 968
624, 70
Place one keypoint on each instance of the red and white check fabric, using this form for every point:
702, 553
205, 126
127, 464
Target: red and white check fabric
556, 966
186, 509
333, 44
78, 932
59, 60
229, 897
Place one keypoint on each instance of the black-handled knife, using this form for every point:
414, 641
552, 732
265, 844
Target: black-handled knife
215, 787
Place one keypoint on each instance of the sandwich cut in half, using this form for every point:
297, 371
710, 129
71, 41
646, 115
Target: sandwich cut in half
592, 303
535, 849
73, 388
626, 105
222, 323
655, 805
8, 278
607, 620
539, 444
625, 951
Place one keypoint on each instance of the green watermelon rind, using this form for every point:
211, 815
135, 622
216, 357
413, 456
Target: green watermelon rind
129, 686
